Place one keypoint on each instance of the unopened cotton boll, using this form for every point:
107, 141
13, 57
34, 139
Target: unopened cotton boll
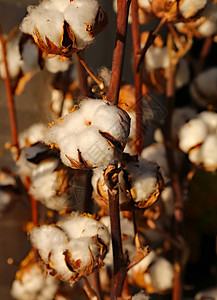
161, 274
204, 88
209, 153
192, 134
88, 140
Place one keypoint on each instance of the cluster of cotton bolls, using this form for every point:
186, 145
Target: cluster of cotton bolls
198, 138
92, 135
73, 247
32, 282
62, 27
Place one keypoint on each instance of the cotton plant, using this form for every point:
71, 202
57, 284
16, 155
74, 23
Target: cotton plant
73, 247
198, 139
91, 136
64, 27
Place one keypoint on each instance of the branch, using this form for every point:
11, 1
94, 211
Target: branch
82, 75
89, 291
137, 76
118, 56
9, 96
119, 265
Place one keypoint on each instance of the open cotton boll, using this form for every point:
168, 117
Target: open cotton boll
79, 15
167, 196
162, 274
194, 156
55, 64
192, 134
81, 135
141, 296
143, 265
34, 285
204, 88
157, 58
13, 58
210, 118
208, 26
59, 5
190, 7
32, 135
85, 227
156, 153
47, 237
207, 294
146, 182
48, 22
209, 153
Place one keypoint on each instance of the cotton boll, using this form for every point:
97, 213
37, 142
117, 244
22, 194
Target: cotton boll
192, 134
204, 88
209, 153
182, 74
143, 265
190, 7
210, 118
32, 135
144, 181
207, 294
45, 238
144, 3
34, 285
110, 120
167, 196
88, 107
95, 149
79, 14
156, 153
48, 22
85, 227
208, 26
157, 58
69, 150
55, 64
59, 5
141, 296
194, 156
162, 274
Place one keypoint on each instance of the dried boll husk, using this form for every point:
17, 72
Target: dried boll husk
204, 88
91, 136
176, 11
140, 185
32, 282
72, 248
66, 28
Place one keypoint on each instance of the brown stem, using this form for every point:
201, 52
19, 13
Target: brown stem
177, 40
89, 291
118, 56
98, 80
10, 100
137, 76
152, 36
119, 266
95, 283
82, 75
178, 212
